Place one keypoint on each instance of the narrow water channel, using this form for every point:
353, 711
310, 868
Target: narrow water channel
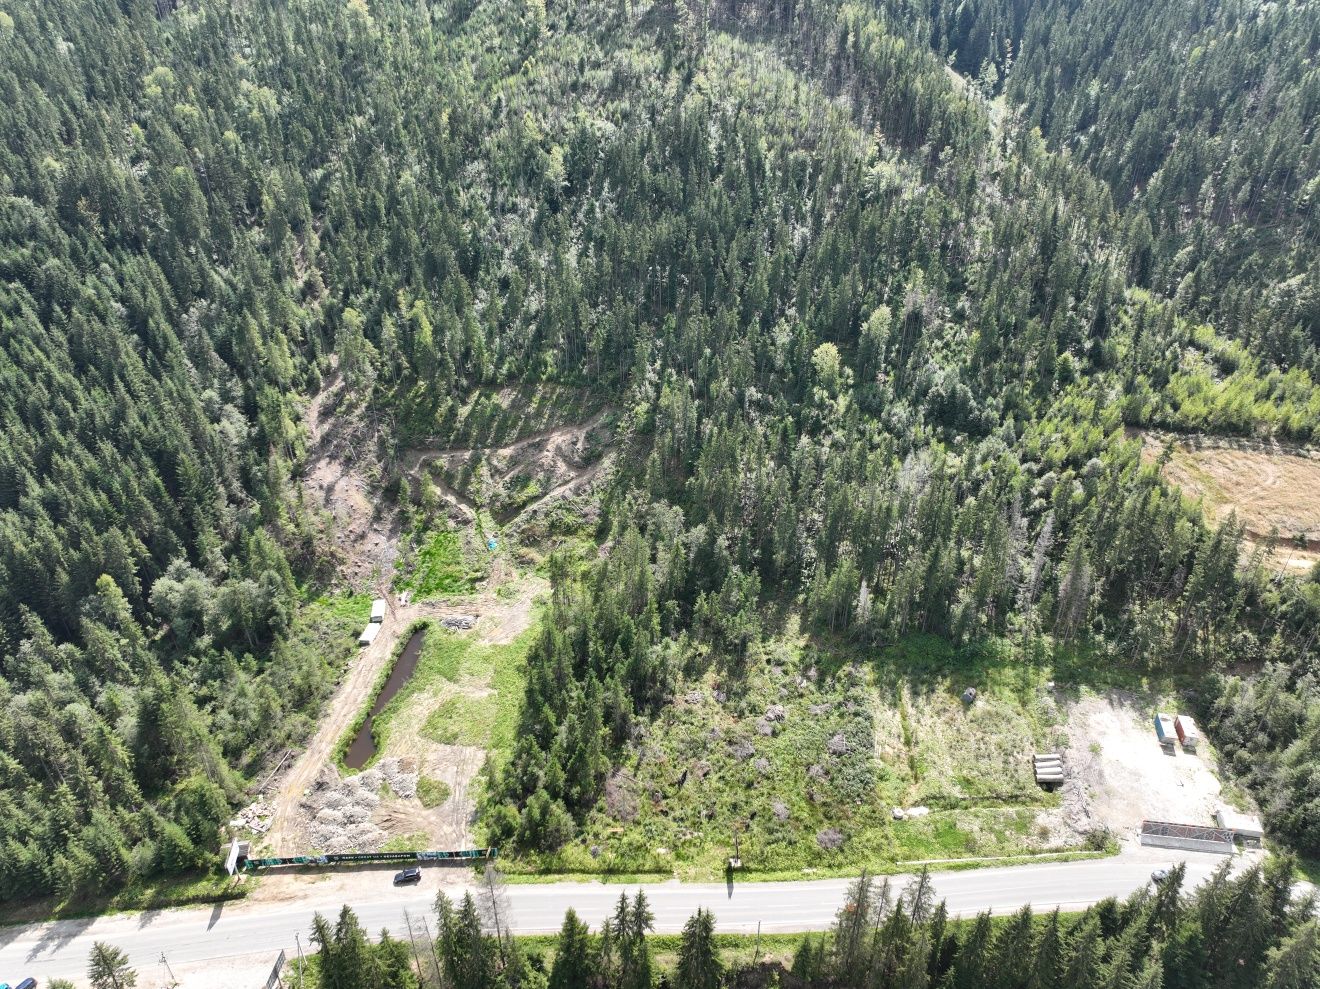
364, 745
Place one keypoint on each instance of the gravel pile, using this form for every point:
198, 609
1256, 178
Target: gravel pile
339, 811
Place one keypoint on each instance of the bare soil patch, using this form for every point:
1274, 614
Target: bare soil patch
1273, 488
1117, 774
361, 525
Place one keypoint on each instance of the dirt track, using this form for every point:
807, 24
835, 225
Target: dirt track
1272, 487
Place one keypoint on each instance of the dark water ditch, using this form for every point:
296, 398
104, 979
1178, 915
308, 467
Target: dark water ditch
363, 746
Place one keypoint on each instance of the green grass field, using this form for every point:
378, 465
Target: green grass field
489, 678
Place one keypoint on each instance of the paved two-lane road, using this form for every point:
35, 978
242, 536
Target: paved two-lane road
196, 939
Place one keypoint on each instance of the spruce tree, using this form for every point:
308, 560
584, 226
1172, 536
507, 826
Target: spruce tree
573, 965
699, 965
108, 968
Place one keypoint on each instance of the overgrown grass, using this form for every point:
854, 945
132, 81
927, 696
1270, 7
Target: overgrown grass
439, 568
432, 792
417, 841
461, 720
156, 893
349, 610
854, 735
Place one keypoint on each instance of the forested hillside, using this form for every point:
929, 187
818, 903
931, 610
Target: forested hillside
874, 348
1201, 118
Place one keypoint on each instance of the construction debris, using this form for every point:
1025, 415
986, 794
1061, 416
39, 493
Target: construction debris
458, 623
910, 813
1049, 768
254, 817
339, 812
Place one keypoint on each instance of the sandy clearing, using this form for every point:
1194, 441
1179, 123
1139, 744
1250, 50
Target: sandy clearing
1118, 774
1272, 487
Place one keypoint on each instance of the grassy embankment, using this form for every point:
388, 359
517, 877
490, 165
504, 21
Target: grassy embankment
807, 757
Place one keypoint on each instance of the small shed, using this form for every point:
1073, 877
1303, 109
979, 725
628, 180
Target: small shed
1244, 826
369, 634
378, 610
1187, 731
1164, 730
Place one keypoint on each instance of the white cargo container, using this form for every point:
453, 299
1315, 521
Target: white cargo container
378, 610
1244, 826
369, 634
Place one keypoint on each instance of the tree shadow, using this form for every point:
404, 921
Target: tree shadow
59, 934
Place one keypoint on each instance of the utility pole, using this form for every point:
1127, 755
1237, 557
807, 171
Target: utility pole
756, 952
495, 912
431, 941
297, 939
407, 919
173, 981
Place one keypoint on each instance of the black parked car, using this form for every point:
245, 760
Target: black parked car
408, 876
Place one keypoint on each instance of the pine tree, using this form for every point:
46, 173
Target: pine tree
699, 965
108, 968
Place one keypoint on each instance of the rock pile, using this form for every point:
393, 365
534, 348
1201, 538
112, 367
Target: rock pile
254, 817
339, 812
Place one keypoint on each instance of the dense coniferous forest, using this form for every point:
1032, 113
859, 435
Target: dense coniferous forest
876, 332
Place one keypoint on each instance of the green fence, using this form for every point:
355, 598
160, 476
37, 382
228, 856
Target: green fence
460, 855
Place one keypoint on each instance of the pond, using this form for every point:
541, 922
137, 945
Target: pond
363, 748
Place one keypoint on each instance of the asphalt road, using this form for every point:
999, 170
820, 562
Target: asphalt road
194, 939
